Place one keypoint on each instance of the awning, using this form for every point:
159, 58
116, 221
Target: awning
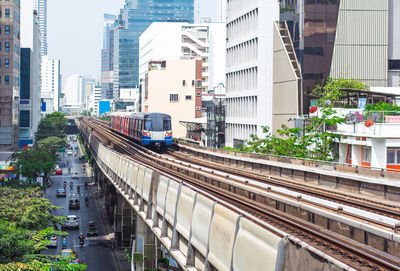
192, 123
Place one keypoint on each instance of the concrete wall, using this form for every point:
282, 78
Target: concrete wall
162, 83
361, 43
285, 91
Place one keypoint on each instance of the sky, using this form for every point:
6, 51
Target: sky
75, 32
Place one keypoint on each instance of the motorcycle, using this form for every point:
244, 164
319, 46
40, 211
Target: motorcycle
81, 239
71, 185
78, 189
87, 202
65, 185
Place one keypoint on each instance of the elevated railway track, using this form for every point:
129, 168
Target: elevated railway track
224, 182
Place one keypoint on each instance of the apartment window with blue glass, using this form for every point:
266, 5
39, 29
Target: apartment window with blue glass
7, 46
7, 13
7, 30
7, 79
7, 63
24, 118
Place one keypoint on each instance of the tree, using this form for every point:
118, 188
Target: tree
51, 144
20, 248
33, 162
52, 125
313, 142
332, 89
27, 209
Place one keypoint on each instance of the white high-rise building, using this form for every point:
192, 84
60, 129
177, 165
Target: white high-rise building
30, 74
172, 41
51, 84
74, 91
41, 7
249, 71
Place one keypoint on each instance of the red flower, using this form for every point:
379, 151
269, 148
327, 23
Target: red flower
369, 123
313, 109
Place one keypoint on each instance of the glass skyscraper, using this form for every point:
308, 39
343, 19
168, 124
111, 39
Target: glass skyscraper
134, 19
107, 57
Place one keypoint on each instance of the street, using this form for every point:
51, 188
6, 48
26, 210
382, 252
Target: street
96, 254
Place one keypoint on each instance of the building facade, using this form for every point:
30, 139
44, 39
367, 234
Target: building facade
168, 41
97, 94
9, 74
51, 85
30, 85
41, 7
74, 92
134, 19
107, 60
170, 89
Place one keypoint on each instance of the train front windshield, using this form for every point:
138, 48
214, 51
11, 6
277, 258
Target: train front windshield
157, 124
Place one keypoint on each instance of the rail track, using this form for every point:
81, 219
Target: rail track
338, 247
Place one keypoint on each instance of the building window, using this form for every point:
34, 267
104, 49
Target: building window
7, 80
7, 63
173, 97
192, 83
198, 94
198, 108
394, 64
366, 154
188, 97
7, 13
7, 30
183, 82
7, 46
198, 84
393, 156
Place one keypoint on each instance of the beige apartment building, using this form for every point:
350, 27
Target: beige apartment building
174, 87
9, 74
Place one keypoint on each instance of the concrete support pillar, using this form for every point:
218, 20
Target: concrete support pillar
146, 247
378, 152
356, 157
343, 148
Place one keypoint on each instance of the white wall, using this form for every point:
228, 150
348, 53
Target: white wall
249, 72
74, 90
217, 55
51, 80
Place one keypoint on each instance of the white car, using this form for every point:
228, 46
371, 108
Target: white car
71, 223
52, 241
69, 152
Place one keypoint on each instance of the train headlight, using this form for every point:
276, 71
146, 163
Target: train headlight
168, 133
146, 133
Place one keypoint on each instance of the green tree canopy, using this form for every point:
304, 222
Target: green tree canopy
332, 89
52, 125
33, 162
27, 209
51, 144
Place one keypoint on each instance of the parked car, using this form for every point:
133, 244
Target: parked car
61, 193
74, 204
68, 253
71, 223
92, 229
52, 241
59, 171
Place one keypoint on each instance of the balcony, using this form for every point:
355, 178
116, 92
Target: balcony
376, 124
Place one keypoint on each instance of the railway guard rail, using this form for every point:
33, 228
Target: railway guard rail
200, 232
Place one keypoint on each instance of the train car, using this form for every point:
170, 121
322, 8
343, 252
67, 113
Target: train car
150, 129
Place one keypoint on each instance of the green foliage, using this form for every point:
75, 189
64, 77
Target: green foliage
85, 113
32, 162
27, 209
311, 143
51, 144
52, 125
381, 106
105, 118
331, 89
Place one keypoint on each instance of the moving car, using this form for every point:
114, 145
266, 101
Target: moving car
69, 152
74, 204
68, 253
59, 171
71, 223
61, 193
52, 241
92, 229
